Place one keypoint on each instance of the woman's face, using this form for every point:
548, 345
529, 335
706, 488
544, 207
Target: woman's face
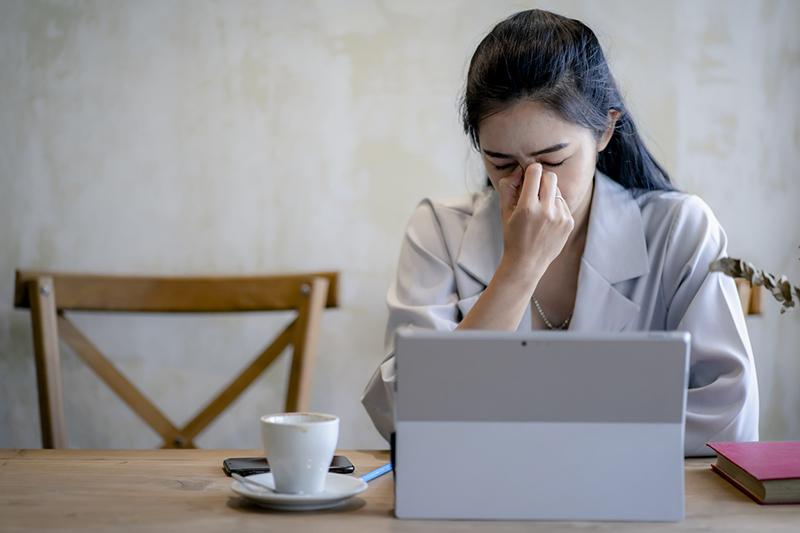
526, 132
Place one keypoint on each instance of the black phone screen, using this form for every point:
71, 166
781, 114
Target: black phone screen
247, 466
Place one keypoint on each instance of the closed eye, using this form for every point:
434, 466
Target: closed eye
512, 165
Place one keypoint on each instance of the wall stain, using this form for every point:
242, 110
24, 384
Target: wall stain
306, 88
50, 30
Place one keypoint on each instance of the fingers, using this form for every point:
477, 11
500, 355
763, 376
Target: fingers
562, 200
537, 190
529, 196
510, 183
509, 190
549, 189
550, 195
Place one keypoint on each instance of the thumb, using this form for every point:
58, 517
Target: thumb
509, 189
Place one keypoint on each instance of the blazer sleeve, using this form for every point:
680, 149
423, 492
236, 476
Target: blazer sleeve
423, 294
722, 400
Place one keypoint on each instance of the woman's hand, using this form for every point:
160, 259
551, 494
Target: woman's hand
536, 224
535, 229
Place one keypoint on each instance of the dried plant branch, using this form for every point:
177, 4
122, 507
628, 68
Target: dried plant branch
781, 289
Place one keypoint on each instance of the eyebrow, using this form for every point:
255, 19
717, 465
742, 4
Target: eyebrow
554, 148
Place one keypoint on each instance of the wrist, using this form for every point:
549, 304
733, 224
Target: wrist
522, 275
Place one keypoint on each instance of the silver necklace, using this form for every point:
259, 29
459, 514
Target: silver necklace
546, 321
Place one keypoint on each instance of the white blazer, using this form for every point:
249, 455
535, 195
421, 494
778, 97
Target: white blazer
644, 267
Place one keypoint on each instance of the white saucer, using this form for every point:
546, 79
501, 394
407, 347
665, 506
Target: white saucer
338, 488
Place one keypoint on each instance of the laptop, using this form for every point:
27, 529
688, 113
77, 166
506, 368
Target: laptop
540, 425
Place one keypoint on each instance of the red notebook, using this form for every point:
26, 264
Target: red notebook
768, 472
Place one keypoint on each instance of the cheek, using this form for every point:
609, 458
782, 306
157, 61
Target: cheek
492, 175
573, 180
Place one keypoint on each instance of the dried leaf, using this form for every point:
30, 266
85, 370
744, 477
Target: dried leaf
780, 288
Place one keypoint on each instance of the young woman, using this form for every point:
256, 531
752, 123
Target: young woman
579, 228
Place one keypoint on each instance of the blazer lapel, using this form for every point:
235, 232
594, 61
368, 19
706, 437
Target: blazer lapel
480, 253
482, 244
615, 251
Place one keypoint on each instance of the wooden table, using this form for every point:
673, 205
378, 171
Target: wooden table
185, 490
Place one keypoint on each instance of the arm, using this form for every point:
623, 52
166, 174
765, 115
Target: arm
722, 401
423, 294
503, 303
535, 228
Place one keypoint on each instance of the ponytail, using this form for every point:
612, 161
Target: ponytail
559, 62
628, 161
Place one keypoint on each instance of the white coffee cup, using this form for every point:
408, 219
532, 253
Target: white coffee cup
299, 448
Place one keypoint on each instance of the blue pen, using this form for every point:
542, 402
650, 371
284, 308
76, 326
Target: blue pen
378, 472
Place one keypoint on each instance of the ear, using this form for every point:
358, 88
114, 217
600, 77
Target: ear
613, 117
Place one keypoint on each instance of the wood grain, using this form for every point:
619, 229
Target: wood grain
117, 382
749, 296
309, 318
48, 362
165, 294
50, 295
185, 490
235, 388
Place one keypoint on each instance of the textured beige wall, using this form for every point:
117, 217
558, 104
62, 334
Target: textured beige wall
249, 137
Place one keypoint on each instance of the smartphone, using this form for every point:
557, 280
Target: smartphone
246, 466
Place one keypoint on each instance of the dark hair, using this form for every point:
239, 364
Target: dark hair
558, 61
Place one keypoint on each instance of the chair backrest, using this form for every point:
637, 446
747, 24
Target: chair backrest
749, 296
49, 295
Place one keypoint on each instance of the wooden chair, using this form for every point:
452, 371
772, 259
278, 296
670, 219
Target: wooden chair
749, 296
50, 295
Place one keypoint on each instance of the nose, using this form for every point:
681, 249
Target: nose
526, 162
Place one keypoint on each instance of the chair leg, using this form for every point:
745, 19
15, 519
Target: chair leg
48, 362
315, 294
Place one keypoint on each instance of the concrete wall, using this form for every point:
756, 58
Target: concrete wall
172, 137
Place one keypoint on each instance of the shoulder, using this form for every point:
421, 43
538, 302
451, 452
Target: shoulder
679, 216
459, 206
447, 217
683, 236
